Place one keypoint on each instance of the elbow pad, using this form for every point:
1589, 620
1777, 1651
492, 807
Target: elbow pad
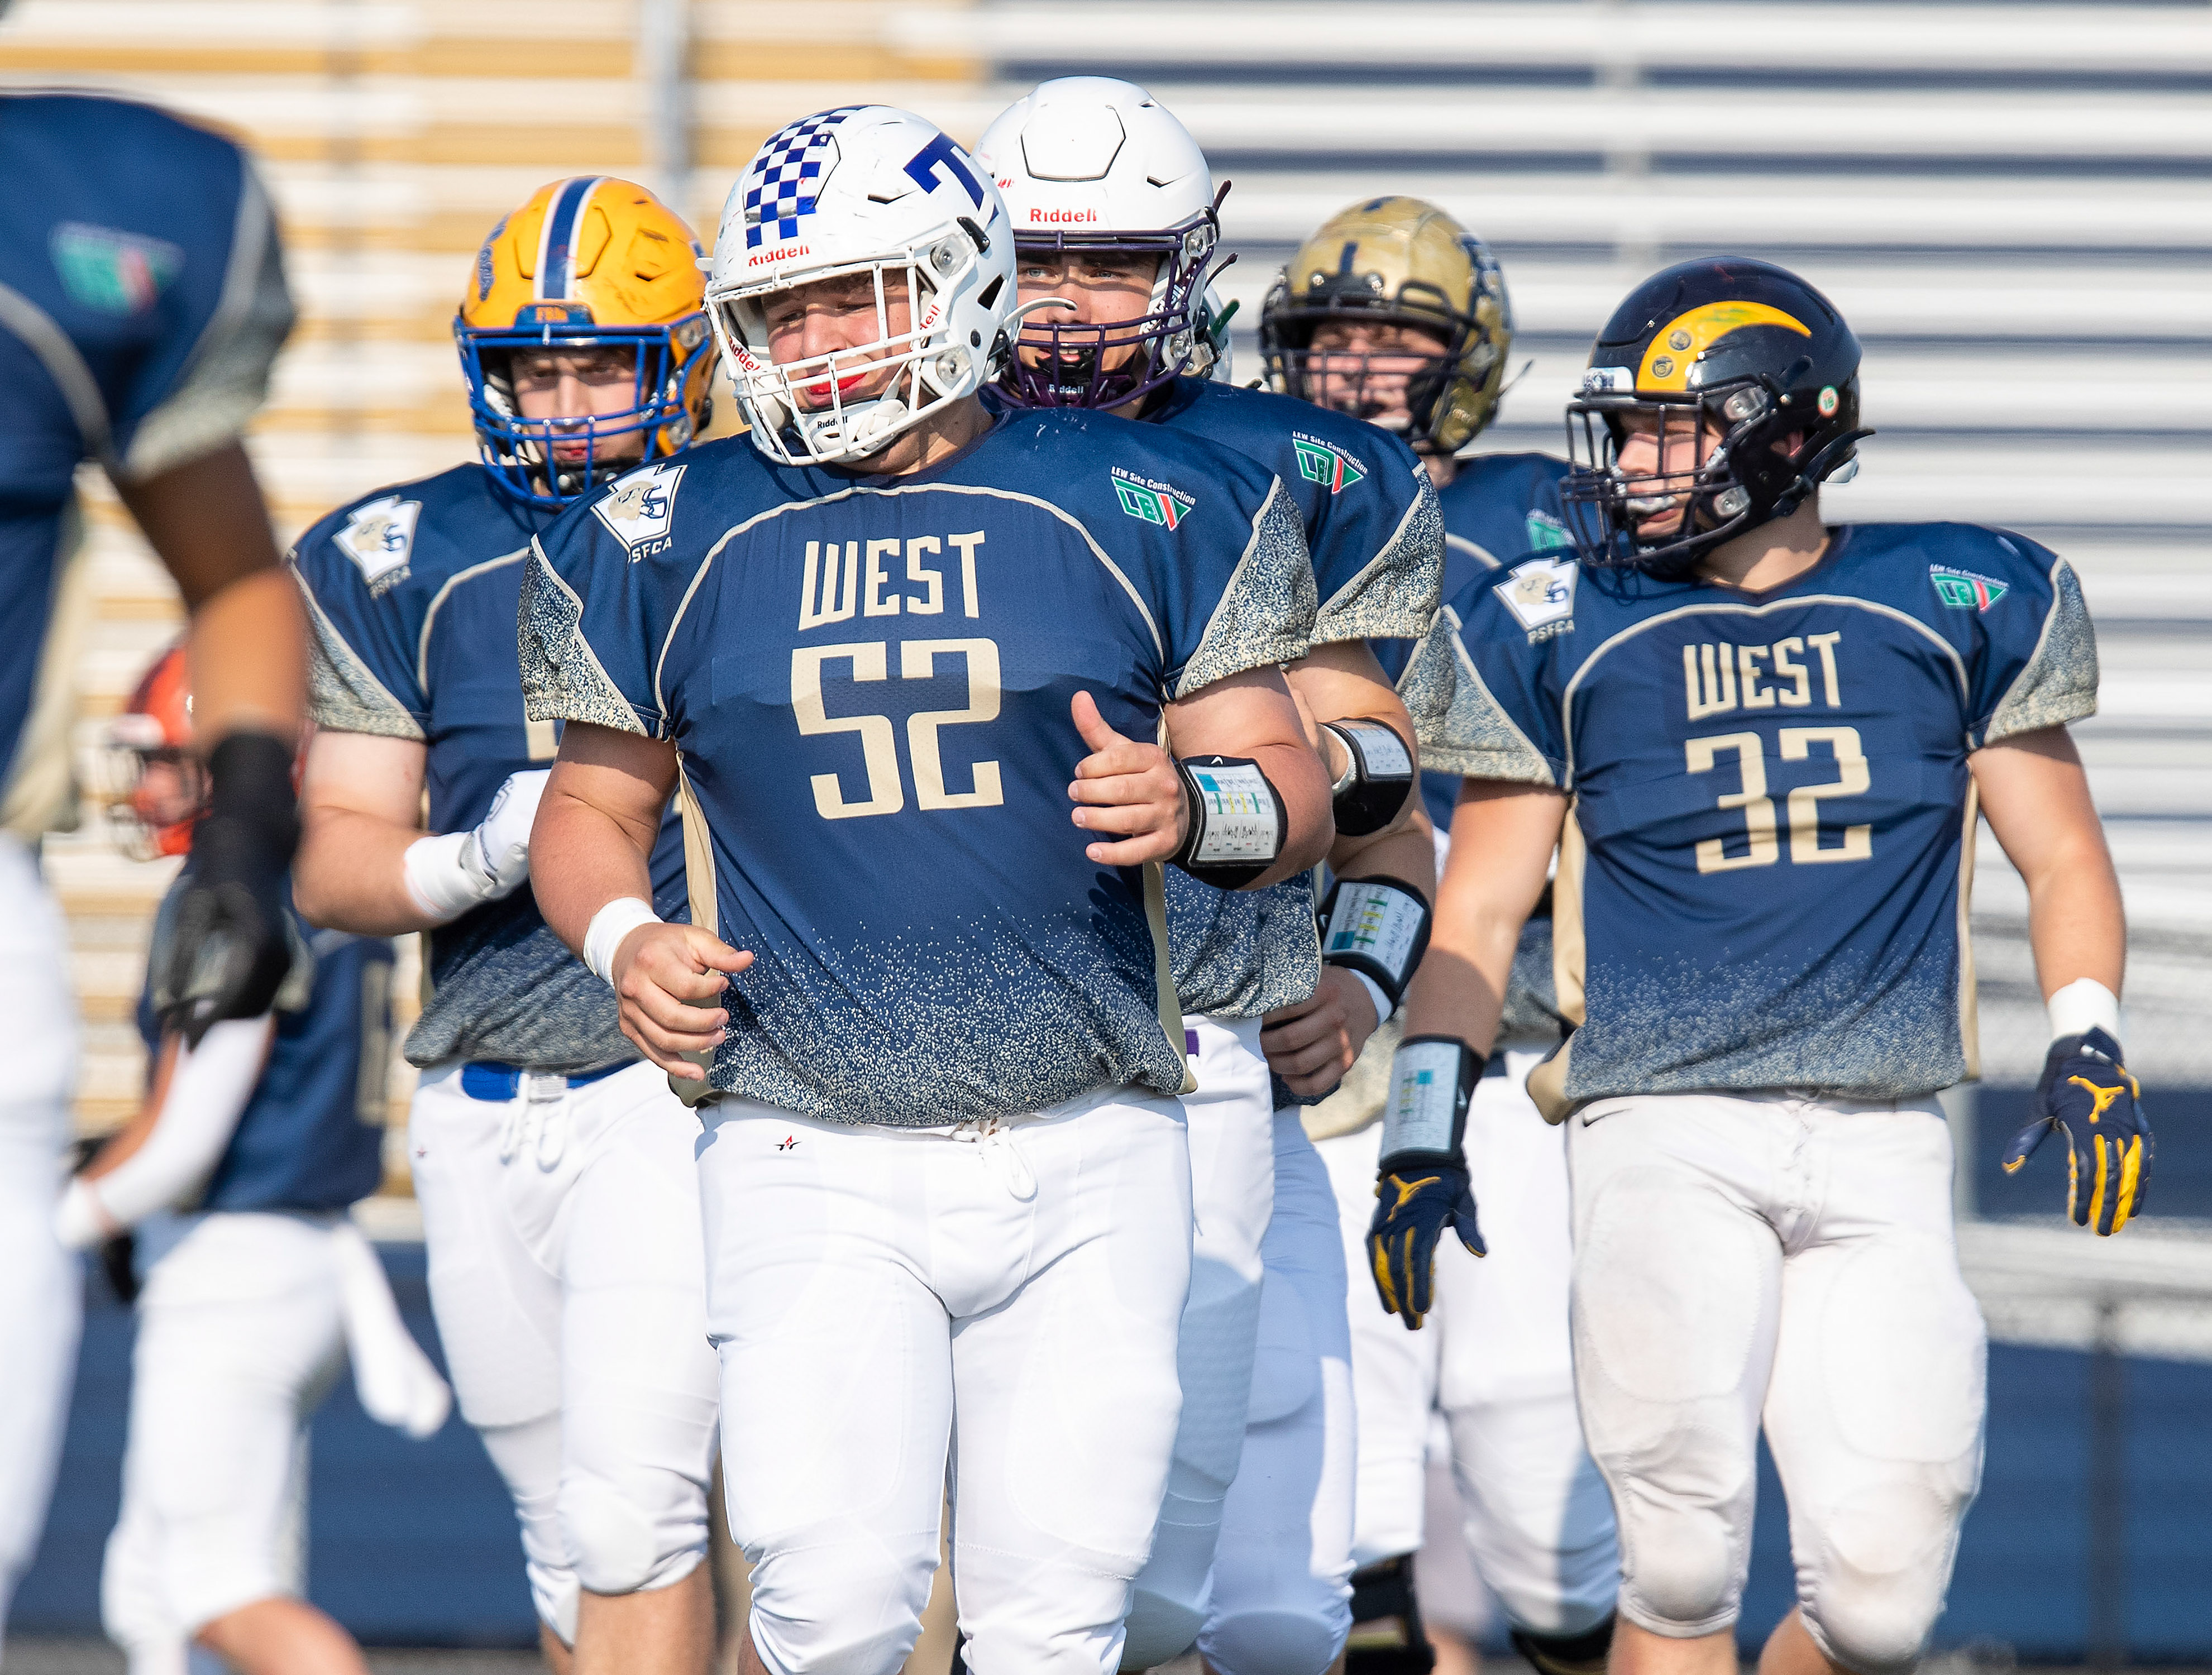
1237, 821
1376, 781
1433, 1081
1377, 927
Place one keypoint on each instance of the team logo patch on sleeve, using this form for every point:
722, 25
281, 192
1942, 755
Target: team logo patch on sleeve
641, 508
1326, 464
1154, 502
1547, 533
113, 271
380, 536
1962, 590
1541, 594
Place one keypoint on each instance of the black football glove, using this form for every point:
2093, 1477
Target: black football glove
1418, 1197
2087, 1093
229, 951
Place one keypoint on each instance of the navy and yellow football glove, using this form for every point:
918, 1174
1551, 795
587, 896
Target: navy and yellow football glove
2088, 1095
1422, 1188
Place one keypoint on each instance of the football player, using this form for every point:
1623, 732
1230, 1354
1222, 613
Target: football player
1761, 742
236, 1175
945, 1166
142, 301
1395, 311
1115, 227
554, 1167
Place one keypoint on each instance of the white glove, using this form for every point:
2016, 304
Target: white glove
449, 874
397, 1384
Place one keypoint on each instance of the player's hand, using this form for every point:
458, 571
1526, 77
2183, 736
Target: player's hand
2087, 1094
497, 854
1312, 1044
230, 952
1128, 788
1418, 1198
668, 978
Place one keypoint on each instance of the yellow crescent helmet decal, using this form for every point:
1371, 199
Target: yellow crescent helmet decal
1666, 363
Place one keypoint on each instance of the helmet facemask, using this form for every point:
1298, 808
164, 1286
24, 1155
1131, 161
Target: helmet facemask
1746, 480
521, 453
1417, 394
800, 411
1108, 365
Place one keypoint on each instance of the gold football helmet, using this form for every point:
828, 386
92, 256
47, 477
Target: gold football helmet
1404, 262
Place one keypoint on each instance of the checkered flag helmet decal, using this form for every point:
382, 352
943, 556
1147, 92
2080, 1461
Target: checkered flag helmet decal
786, 176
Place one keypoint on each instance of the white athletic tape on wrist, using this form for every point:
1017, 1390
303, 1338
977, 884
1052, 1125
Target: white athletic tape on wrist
1377, 924
1383, 1005
440, 880
1423, 1097
607, 929
2083, 1005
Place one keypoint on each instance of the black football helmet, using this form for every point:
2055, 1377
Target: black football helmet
1741, 348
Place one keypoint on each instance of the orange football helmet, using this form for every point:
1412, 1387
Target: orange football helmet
587, 263
155, 785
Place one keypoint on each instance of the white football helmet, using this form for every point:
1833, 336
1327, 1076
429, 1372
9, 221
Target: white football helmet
862, 190
1087, 162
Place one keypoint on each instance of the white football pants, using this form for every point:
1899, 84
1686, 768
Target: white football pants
1009, 1290
566, 1274
1495, 1358
1231, 1124
40, 1284
1281, 1597
1789, 1258
241, 1334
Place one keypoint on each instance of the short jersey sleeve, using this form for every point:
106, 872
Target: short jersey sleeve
180, 407
594, 622
1378, 547
363, 672
1247, 601
2037, 667
1476, 687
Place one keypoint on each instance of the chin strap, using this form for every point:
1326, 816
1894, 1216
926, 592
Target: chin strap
1814, 471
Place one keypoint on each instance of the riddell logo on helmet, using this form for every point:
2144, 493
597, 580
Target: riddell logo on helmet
783, 254
1061, 216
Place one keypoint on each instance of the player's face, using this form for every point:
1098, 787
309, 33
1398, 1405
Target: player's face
1366, 368
838, 316
1662, 451
574, 387
1099, 288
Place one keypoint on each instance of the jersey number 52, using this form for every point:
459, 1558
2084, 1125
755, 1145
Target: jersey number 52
870, 661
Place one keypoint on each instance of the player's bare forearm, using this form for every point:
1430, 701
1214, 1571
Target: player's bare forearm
1404, 850
1253, 715
596, 824
1502, 836
359, 800
209, 524
2036, 798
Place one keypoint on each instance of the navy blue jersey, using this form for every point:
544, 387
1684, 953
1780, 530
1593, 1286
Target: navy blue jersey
1377, 543
885, 800
312, 1135
1763, 881
1499, 506
142, 299
412, 591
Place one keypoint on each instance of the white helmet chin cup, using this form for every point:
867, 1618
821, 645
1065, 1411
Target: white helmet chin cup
871, 194
1090, 162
